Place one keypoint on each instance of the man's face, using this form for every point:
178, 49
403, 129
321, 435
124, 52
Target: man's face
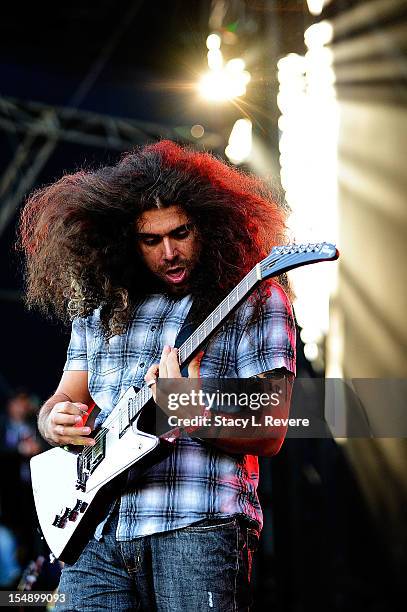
169, 245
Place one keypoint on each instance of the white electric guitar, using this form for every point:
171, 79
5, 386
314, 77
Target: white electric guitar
72, 489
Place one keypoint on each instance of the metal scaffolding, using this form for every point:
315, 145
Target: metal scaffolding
42, 127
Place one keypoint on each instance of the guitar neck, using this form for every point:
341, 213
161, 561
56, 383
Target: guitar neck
218, 316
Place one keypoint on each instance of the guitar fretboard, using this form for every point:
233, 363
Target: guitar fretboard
217, 316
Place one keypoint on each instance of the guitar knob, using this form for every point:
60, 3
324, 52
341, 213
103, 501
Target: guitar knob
56, 520
73, 515
60, 519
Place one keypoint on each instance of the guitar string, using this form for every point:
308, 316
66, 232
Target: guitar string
288, 260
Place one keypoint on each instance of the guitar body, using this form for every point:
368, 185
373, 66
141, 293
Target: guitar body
68, 514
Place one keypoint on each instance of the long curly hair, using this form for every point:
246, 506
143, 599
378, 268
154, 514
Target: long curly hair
78, 234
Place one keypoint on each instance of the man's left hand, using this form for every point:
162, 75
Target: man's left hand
169, 367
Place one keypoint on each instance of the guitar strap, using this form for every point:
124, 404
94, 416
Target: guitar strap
188, 327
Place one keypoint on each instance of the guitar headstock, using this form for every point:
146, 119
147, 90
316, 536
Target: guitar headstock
284, 258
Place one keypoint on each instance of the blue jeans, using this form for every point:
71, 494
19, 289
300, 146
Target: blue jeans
205, 566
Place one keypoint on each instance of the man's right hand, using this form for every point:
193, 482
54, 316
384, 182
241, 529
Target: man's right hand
63, 425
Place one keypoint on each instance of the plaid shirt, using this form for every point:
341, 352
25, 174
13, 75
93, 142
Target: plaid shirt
195, 482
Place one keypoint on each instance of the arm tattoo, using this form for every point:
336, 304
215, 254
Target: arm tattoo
279, 374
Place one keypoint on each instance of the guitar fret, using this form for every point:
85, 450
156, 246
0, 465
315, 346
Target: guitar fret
192, 343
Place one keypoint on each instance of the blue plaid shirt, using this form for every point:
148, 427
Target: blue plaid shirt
196, 481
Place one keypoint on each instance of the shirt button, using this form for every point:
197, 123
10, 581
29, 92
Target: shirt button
141, 365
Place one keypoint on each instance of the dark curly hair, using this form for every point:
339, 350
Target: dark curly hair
78, 234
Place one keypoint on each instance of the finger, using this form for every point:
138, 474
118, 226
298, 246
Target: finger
83, 407
61, 418
76, 441
152, 372
195, 365
173, 370
71, 408
151, 378
66, 430
162, 370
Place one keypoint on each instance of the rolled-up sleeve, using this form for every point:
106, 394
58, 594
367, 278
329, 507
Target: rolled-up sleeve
268, 343
77, 358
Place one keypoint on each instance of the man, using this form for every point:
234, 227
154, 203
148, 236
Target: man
126, 250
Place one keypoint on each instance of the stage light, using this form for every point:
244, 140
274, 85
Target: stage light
215, 59
213, 41
236, 65
315, 6
290, 64
309, 125
224, 82
222, 85
240, 141
310, 334
318, 34
311, 351
246, 77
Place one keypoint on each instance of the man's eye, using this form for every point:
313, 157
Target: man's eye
149, 241
182, 233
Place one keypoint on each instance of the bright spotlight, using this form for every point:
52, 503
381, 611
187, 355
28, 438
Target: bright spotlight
319, 34
213, 41
222, 85
240, 141
236, 65
246, 76
315, 6
309, 125
311, 351
215, 59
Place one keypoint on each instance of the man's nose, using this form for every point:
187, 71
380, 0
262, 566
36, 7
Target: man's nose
170, 251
